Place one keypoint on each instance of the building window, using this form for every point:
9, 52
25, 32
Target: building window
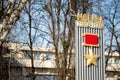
36, 55
106, 59
45, 77
27, 54
110, 74
48, 56
117, 60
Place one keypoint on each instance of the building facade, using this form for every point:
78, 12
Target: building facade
112, 66
19, 63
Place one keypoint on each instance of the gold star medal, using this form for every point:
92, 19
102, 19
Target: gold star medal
91, 58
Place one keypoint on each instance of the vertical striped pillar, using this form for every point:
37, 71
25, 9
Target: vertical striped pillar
91, 72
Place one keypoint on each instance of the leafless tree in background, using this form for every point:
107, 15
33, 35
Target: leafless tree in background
111, 16
110, 10
30, 32
31, 26
60, 22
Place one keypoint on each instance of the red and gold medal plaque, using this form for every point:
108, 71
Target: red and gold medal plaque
91, 39
89, 47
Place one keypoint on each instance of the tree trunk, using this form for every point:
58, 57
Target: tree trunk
8, 17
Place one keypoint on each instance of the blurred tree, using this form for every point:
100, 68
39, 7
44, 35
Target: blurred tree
9, 13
